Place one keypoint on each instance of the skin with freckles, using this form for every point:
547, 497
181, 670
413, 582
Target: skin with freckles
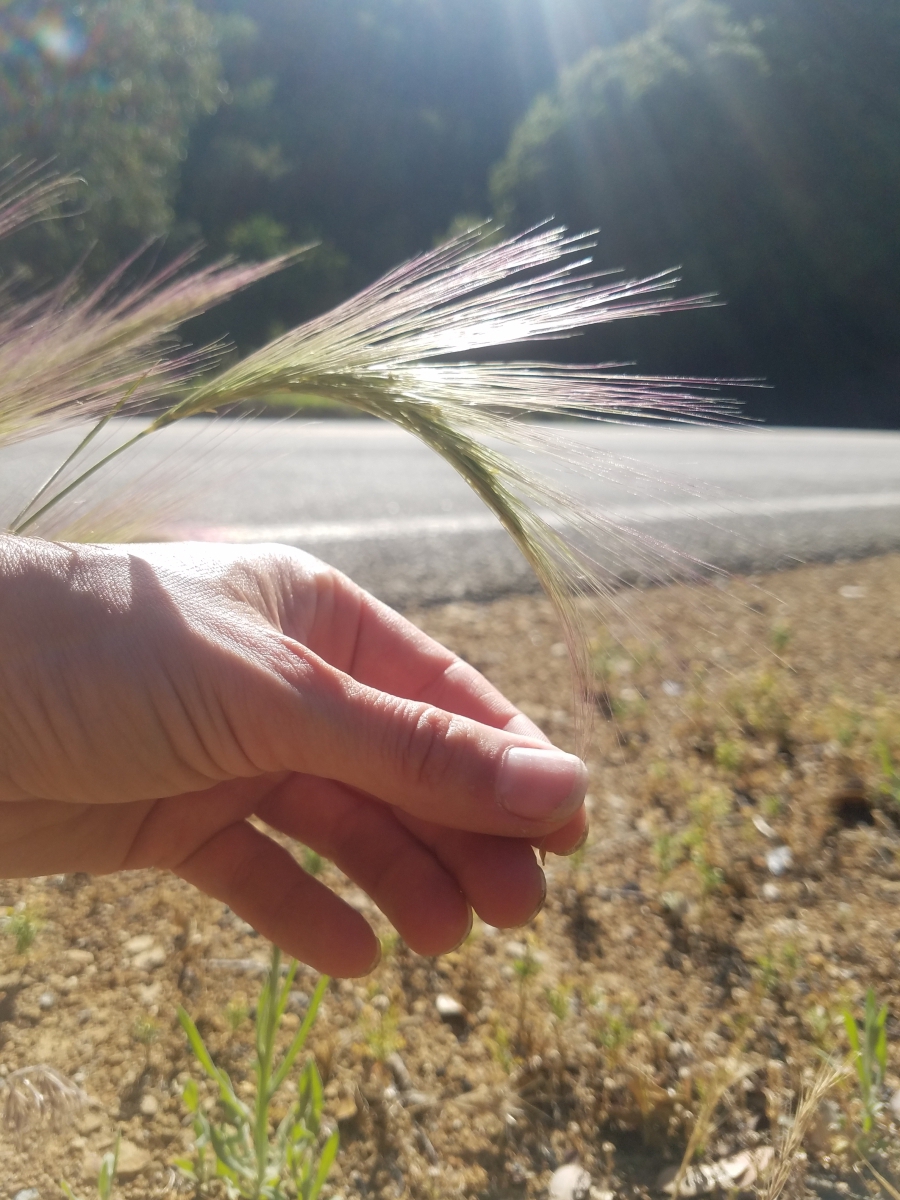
154, 699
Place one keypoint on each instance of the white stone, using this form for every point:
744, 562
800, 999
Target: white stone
765, 828
76, 960
149, 1105
780, 860
132, 1160
139, 943
571, 1182
771, 891
148, 960
448, 1008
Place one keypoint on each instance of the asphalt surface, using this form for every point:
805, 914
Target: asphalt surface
377, 504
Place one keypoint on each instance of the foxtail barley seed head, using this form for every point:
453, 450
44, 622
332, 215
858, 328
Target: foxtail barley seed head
39, 1097
66, 357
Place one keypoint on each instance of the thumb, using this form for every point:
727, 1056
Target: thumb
433, 764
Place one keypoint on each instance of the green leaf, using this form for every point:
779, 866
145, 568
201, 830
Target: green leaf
104, 1179
284, 991
67, 1191
852, 1030
304, 1088
198, 1046
299, 1040
283, 1132
317, 1095
227, 1093
191, 1096
108, 1166
326, 1159
881, 1051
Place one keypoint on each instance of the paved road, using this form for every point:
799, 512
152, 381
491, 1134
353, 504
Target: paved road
373, 501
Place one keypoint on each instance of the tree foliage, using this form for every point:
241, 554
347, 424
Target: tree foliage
107, 89
752, 141
757, 146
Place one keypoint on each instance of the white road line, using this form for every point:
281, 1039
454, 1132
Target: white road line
391, 528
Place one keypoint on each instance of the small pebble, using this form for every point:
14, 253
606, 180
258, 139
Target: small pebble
76, 960
851, 591
46, 1000
132, 1160
671, 688
149, 1105
448, 1008
136, 945
780, 860
149, 960
894, 1104
27, 1194
764, 827
681, 1050
89, 1123
771, 891
571, 1182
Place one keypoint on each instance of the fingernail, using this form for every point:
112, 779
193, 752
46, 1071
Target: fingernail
464, 936
538, 784
376, 961
579, 843
562, 853
543, 899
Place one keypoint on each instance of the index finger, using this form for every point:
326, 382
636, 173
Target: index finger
374, 644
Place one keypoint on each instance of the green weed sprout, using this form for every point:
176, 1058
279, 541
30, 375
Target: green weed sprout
254, 1162
777, 968
890, 775
312, 862
526, 968
709, 877
772, 806
500, 1047
780, 636
382, 1036
236, 1013
23, 927
869, 1059
145, 1032
559, 1001
729, 756
106, 1176
669, 851
613, 1032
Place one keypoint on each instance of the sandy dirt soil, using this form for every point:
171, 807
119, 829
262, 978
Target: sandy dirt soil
738, 891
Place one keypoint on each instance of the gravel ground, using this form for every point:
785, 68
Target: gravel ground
738, 891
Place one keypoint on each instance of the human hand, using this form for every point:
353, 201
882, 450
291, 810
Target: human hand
155, 698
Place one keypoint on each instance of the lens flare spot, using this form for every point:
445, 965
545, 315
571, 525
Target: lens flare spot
59, 40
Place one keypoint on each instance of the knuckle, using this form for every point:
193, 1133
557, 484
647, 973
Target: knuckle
431, 753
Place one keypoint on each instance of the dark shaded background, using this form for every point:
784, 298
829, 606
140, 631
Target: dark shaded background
756, 143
